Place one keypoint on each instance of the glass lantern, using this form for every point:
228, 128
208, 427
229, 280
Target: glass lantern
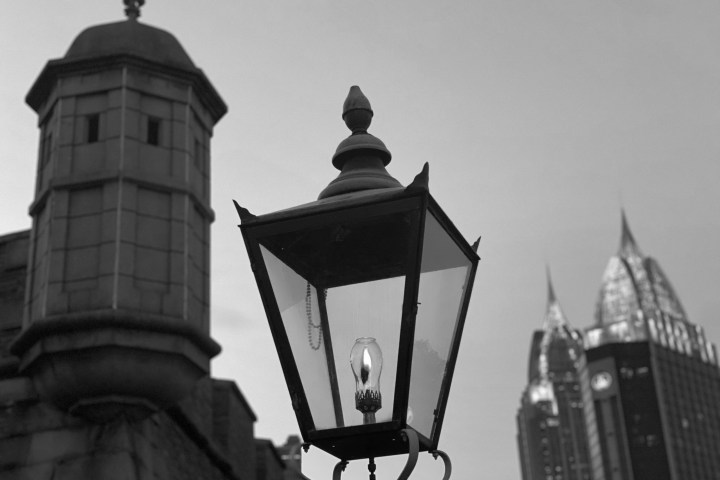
365, 293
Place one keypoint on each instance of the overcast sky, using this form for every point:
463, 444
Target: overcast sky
541, 119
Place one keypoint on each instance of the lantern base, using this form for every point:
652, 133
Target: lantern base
411, 438
368, 402
381, 439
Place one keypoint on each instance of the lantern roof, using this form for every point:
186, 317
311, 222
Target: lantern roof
341, 201
347, 200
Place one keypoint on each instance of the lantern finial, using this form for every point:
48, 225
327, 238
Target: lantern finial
357, 112
361, 157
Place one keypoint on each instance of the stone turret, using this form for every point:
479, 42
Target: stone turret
117, 302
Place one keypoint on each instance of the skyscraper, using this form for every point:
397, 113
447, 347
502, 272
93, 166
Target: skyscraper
552, 419
654, 376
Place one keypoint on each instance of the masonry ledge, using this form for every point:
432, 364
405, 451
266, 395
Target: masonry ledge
106, 365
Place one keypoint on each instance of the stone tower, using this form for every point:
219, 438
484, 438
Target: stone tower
104, 324
117, 304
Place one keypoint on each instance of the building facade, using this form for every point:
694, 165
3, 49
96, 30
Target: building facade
649, 383
654, 376
555, 419
104, 303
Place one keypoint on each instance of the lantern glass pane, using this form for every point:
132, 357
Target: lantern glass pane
337, 279
370, 309
301, 318
443, 279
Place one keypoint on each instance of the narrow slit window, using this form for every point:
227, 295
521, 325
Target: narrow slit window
198, 153
93, 128
46, 149
153, 131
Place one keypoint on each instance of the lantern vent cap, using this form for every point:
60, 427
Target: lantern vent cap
357, 115
362, 157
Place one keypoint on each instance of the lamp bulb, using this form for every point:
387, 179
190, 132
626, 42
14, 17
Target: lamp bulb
366, 363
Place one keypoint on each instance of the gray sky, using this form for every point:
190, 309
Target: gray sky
540, 120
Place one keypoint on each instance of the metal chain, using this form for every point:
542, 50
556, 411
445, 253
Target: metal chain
311, 325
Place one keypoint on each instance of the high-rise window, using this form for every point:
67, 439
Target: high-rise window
93, 127
153, 131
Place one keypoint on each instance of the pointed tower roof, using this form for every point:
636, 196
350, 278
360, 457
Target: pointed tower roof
551, 290
554, 315
633, 285
559, 346
628, 246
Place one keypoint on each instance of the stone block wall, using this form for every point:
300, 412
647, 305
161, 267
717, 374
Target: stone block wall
122, 210
13, 273
209, 435
269, 463
233, 426
40, 442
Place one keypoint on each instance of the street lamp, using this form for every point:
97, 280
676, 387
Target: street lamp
366, 292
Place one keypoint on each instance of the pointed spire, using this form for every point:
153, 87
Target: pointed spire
627, 240
551, 290
554, 316
555, 329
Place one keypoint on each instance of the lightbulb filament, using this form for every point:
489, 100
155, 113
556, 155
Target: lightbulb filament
366, 367
366, 363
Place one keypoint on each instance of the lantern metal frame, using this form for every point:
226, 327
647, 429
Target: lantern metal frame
384, 438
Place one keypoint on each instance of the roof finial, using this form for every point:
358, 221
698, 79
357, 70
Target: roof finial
361, 157
132, 8
357, 112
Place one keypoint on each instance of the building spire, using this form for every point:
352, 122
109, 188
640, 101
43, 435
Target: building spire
555, 329
554, 316
551, 290
627, 240
132, 8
